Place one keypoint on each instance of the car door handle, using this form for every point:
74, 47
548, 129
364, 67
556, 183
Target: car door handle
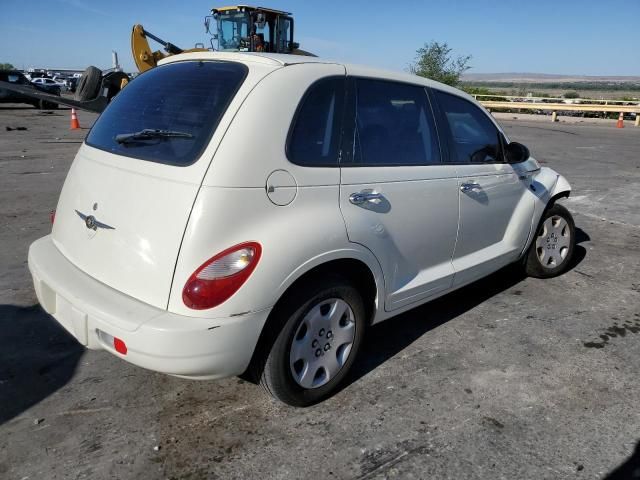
469, 187
359, 198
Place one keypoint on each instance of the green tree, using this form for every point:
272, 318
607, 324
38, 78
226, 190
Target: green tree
434, 61
571, 94
6, 66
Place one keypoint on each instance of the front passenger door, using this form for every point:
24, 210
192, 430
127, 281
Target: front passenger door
496, 208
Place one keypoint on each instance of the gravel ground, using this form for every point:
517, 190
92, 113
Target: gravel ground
508, 378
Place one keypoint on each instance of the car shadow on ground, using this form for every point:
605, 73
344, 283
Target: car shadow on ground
387, 339
26, 106
37, 357
628, 470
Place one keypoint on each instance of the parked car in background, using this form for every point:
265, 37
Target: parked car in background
34, 75
61, 80
18, 78
48, 85
261, 217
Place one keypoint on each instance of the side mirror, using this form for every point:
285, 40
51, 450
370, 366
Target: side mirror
516, 152
295, 45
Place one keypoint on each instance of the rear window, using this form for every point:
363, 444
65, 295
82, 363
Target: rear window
185, 100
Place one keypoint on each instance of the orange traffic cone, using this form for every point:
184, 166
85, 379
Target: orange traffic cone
620, 123
75, 124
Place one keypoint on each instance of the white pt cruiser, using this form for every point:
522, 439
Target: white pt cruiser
237, 213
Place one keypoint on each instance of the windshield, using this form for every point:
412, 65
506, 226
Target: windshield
233, 31
186, 99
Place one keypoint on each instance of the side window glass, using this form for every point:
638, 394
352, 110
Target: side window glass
394, 125
475, 137
314, 137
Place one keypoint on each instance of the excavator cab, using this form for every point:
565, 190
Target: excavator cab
243, 28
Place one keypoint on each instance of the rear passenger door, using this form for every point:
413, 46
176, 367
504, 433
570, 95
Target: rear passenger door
397, 197
495, 207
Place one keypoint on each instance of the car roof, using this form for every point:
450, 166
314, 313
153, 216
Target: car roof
283, 60
274, 59
250, 7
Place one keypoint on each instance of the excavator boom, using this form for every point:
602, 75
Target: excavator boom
144, 57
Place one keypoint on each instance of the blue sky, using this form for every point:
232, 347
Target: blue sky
542, 36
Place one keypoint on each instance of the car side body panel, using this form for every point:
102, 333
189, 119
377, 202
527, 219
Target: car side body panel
495, 219
412, 236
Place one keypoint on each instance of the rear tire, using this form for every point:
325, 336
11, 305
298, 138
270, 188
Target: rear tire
50, 106
324, 324
89, 84
44, 105
551, 249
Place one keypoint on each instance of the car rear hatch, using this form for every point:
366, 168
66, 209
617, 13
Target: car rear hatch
128, 195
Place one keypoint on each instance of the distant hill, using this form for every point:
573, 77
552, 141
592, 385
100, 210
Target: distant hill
546, 78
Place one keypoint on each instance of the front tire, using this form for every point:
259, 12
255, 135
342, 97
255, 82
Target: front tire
323, 331
552, 248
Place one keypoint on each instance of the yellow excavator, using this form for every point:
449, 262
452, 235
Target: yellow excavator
238, 28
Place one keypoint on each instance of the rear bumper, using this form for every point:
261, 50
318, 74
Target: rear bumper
156, 339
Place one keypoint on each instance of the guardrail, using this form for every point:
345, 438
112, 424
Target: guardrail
576, 105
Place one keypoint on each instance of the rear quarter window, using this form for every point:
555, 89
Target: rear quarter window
188, 98
314, 136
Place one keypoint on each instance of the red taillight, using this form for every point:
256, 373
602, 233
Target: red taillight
52, 216
216, 280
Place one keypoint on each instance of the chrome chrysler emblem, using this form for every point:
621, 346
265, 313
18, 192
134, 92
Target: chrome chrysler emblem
92, 224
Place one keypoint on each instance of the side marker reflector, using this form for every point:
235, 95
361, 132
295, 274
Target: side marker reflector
119, 346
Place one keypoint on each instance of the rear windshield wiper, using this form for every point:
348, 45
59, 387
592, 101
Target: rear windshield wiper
149, 133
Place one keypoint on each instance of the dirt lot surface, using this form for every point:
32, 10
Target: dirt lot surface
509, 378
